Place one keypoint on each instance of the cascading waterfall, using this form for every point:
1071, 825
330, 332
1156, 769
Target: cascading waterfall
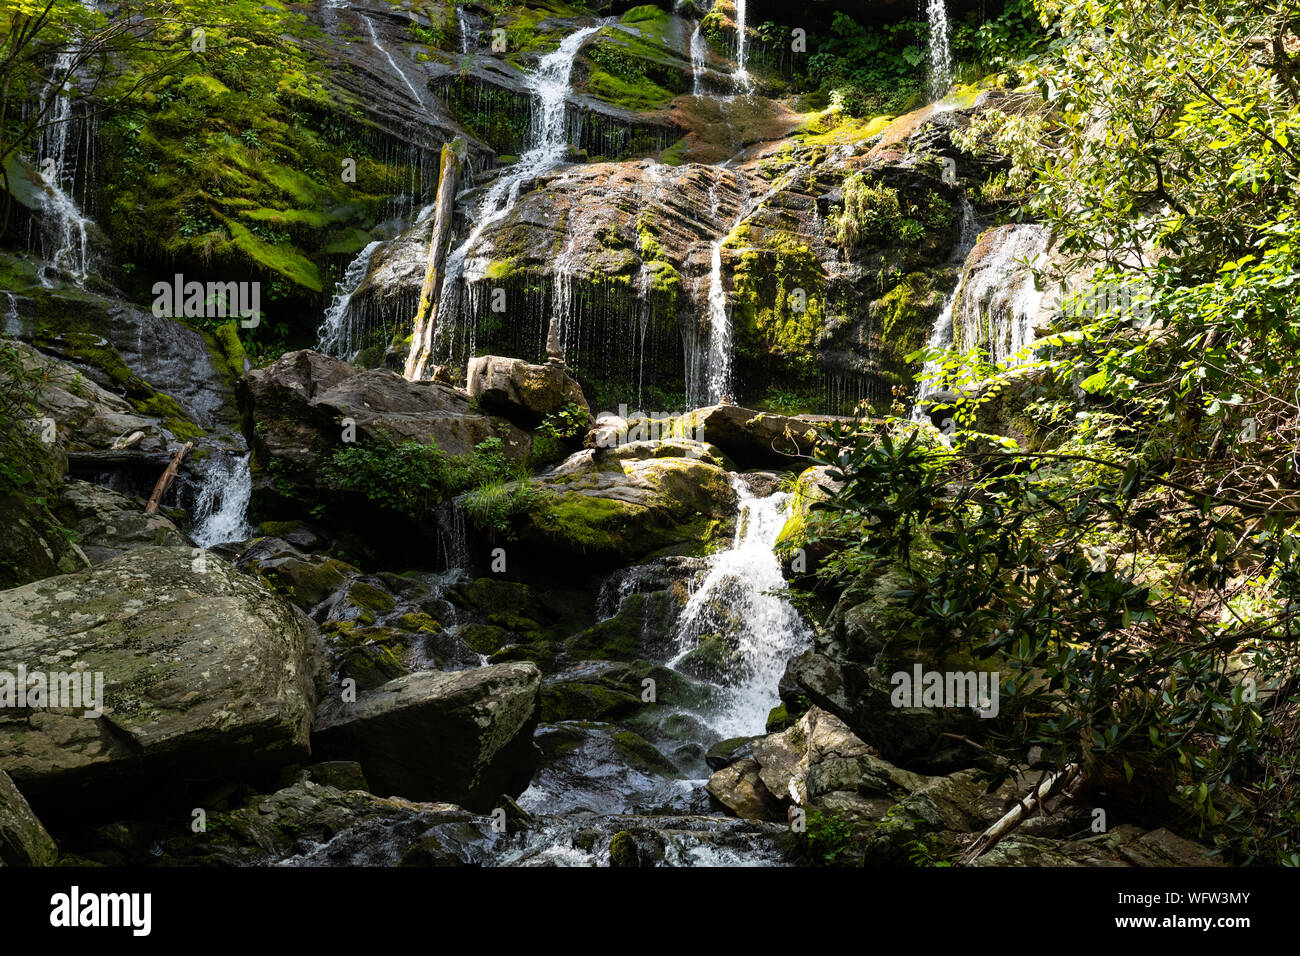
718, 377
221, 509
64, 235
336, 336
1000, 299
699, 57
740, 78
717, 372
374, 40
462, 25
741, 600
941, 335
940, 50
549, 85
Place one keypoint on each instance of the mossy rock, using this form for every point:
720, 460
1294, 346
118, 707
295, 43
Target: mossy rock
586, 701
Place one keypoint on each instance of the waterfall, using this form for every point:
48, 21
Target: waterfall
999, 301
65, 242
741, 600
462, 25
740, 78
940, 51
374, 40
549, 85
222, 505
718, 377
13, 326
699, 57
336, 333
717, 373
941, 336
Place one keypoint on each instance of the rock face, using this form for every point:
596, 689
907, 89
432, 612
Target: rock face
869, 636
524, 393
206, 674
300, 400
463, 736
23, 840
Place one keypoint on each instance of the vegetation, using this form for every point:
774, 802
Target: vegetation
1129, 560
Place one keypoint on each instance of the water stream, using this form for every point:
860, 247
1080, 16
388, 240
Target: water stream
741, 601
550, 87
337, 336
940, 50
220, 512
65, 240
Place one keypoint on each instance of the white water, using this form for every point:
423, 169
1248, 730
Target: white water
699, 58
718, 377
549, 85
63, 219
220, 513
1000, 297
335, 335
717, 374
941, 335
13, 321
741, 599
740, 78
374, 40
462, 25
940, 51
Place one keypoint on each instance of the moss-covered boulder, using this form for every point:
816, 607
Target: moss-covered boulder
602, 512
206, 674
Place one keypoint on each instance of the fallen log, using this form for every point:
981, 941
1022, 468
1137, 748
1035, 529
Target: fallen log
426, 317
166, 478
1018, 814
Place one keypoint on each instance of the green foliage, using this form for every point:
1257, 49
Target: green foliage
413, 479
827, 837
25, 462
877, 214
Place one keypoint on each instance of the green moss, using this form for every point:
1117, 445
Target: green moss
232, 350
370, 598
161, 405
675, 154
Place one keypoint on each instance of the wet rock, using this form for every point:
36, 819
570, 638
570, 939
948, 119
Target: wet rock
464, 736
726, 752
526, 394
206, 674
23, 840
642, 847
315, 823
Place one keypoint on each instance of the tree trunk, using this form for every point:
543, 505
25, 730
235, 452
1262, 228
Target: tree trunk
426, 318
166, 478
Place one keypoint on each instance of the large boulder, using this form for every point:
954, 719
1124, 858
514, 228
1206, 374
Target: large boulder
524, 393
205, 675
109, 523
460, 736
611, 507
23, 840
752, 439
299, 403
